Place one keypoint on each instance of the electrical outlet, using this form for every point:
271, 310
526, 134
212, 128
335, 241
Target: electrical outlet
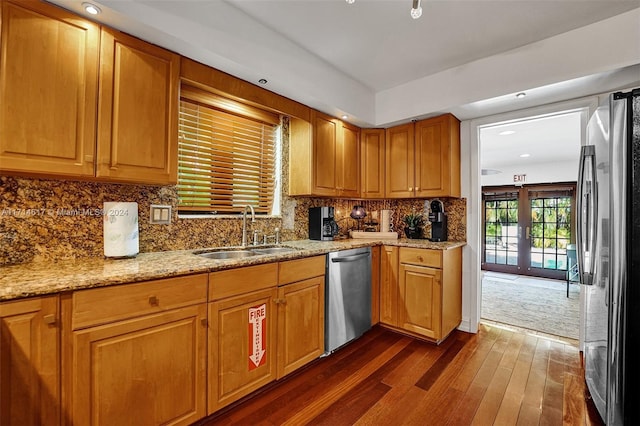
159, 214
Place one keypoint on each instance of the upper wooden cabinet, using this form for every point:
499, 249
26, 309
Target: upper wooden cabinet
399, 161
372, 169
138, 110
48, 90
437, 150
30, 362
53, 120
423, 158
324, 157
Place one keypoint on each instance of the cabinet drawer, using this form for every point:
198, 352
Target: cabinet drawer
423, 257
233, 282
109, 304
301, 269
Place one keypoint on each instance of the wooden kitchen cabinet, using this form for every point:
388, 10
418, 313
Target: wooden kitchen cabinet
372, 168
429, 291
137, 353
300, 313
242, 333
240, 362
80, 101
30, 362
423, 158
48, 90
324, 157
375, 285
437, 153
421, 290
138, 111
389, 285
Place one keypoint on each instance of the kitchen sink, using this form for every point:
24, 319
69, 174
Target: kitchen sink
273, 250
227, 254
236, 253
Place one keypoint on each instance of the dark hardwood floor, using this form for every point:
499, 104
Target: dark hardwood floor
495, 377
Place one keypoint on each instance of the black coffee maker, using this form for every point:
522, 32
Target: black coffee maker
322, 225
438, 219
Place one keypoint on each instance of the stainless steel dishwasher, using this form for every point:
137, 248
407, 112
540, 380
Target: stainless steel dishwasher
347, 296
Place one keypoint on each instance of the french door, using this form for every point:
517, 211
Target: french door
527, 229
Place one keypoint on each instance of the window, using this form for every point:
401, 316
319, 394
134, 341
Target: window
227, 155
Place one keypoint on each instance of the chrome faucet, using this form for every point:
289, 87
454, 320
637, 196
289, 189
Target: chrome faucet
244, 223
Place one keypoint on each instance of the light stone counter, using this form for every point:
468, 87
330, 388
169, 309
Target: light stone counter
41, 278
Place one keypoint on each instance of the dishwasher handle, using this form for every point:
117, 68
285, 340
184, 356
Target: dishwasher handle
349, 258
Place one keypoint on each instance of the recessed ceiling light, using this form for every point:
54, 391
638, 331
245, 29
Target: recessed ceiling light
507, 132
262, 81
486, 172
345, 116
521, 95
91, 9
525, 155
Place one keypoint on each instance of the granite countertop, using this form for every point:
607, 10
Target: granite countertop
41, 278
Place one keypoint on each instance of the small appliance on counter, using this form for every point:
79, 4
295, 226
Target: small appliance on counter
322, 225
438, 219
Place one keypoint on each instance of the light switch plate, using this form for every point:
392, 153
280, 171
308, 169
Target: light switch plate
160, 214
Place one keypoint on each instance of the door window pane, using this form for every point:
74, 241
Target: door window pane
501, 232
550, 232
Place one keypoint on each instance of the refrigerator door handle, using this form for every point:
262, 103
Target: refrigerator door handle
587, 204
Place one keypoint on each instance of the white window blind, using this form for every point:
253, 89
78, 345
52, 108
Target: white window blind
226, 154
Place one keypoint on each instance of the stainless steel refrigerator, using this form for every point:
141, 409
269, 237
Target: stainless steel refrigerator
608, 240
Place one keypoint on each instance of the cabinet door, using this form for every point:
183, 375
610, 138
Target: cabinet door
420, 303
399, 162
389, 285
149, 370
300, 324
438, 157
325, 151
375, 285
372, 174
137, 112
349, 162
48, 90
241, 346
29, 362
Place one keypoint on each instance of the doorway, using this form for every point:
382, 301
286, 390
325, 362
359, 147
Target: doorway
527, 229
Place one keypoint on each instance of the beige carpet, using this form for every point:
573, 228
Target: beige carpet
536, 304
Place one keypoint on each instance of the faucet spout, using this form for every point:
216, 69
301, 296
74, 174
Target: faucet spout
244, 222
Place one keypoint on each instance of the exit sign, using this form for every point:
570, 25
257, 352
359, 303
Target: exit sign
519, 178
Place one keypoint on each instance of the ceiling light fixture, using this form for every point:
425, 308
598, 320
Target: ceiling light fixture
507, 132
345, 116
416, 10
91, 9
521, 95
525, 155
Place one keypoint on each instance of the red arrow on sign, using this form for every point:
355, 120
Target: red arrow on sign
257, 341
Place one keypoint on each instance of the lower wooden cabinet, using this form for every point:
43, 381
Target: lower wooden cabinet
144, 359
300, 324
421, 291
241, 346
389, 286
30, 362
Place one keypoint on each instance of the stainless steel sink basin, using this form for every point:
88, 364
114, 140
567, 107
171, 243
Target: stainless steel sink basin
227, 254
273, 250
235, 253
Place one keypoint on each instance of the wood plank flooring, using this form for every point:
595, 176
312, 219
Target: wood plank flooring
496, 377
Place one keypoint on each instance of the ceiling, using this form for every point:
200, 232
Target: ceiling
371, 61
550, 139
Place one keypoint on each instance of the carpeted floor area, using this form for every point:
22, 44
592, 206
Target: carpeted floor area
532, 303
